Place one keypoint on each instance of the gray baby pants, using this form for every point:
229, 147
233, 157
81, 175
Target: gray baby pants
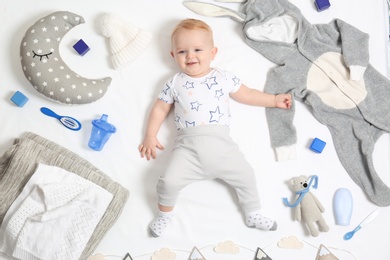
204, 153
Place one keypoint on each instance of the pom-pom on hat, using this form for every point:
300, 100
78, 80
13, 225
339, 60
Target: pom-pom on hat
126, 41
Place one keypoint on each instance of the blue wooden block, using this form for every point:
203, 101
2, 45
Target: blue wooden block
81, 47
19, 99
317, 145
322, 4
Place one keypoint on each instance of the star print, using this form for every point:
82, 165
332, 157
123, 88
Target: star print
176, 94
67, 99
93, 82
44, 83
38, 74
100, 91
190, 123
28, 54
33, 64
73, 86
215, 115
55, 28
84, 84
218, 93
62, 89
189, 85
67, 76
51, 93
65, 17
35, 41
165, 91
53, 17
32, 31
78, 97
236, 80
177, 118
48, 40
210, 82
56, 79
44, 29
195, 105
50, 70
89, 94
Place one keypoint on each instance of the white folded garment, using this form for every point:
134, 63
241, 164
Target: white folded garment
54, 216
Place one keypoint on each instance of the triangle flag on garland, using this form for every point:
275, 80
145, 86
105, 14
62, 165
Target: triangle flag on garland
127, 257
324, 254
196, 255
261, 255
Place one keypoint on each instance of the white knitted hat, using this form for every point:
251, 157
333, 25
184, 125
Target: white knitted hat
127, 42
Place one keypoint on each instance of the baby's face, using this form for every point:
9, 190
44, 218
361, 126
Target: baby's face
193, 51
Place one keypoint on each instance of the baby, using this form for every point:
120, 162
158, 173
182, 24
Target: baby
203, 147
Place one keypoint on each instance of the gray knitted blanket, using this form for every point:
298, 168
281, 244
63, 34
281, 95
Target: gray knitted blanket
19, 162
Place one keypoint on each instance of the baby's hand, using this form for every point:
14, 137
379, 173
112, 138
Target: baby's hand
283, 101
148, 147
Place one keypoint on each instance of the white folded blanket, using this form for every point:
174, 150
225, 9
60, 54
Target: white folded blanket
54, 216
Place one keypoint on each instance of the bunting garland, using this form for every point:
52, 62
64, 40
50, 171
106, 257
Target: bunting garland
228, 247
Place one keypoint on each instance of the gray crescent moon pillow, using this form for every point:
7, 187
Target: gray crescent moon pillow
45, 69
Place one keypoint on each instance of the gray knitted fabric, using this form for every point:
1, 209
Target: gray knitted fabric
19, 162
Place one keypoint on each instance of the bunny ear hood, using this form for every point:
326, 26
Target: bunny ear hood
271, 27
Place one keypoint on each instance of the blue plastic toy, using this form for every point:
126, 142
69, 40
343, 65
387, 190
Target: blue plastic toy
81, 47
101, 132
322, 5
67, 121
19, 99
317, 145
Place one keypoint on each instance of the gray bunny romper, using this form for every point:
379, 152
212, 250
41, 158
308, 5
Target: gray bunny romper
325, 66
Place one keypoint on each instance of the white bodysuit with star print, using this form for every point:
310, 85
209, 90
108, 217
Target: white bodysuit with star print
201, 101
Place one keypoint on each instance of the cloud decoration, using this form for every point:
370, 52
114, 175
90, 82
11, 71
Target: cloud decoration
44, 67
291, 242
227, 247
164, 254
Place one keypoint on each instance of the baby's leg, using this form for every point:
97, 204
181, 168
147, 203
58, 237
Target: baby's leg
183, 169
238, 173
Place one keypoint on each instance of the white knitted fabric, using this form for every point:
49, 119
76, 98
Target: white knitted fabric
53, 217
126, 41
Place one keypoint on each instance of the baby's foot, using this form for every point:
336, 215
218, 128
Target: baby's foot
255, 219
160, 223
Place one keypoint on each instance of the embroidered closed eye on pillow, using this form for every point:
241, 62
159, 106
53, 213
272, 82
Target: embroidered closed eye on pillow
45, 69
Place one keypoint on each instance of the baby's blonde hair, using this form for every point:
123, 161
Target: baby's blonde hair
193, 24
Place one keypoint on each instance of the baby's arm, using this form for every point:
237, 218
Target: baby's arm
256, 97
157, 115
